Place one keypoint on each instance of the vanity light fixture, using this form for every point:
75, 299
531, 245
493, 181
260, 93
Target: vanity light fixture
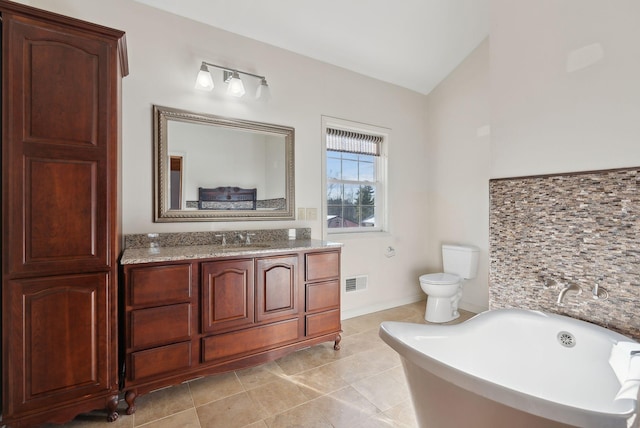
231, 76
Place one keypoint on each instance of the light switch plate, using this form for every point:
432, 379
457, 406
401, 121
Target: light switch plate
301, 214
312, 213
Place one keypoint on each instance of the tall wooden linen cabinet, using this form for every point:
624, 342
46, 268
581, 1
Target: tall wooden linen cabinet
60, 215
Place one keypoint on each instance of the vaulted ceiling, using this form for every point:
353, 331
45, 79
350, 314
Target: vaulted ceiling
411, 43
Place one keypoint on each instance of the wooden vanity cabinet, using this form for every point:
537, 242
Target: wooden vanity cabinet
243, 311
60, 215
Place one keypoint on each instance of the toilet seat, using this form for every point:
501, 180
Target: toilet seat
440, 278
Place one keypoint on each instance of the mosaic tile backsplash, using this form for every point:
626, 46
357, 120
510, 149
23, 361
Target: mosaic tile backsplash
581, 229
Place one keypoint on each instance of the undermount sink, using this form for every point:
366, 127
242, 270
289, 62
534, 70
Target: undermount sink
245, 247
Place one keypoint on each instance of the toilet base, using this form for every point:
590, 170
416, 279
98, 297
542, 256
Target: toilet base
440, 309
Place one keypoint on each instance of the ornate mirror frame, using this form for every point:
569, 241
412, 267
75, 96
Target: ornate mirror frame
162, 211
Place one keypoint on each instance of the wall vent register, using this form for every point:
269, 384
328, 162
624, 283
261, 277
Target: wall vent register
356, 283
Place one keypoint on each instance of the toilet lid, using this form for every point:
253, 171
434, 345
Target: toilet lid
440, 278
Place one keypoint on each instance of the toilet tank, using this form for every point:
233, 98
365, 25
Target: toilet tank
461, 260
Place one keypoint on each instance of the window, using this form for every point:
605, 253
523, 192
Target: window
354, 178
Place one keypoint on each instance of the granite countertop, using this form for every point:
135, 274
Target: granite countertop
190, 252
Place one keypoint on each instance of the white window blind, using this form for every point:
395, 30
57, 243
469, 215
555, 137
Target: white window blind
340, 140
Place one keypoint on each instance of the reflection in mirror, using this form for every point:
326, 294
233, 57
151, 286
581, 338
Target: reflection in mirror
210, 168
175, 181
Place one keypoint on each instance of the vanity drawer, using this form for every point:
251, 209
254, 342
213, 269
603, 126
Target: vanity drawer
323, 295
246, 341
160, 284
157, 361
323, 323
161, 325
322, 266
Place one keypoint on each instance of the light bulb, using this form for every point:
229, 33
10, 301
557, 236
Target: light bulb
204, 82
236, 88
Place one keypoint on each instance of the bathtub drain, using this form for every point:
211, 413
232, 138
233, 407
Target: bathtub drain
566, 339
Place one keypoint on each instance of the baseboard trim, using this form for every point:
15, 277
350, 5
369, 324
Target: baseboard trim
351, 313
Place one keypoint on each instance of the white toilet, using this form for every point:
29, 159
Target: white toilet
444, 290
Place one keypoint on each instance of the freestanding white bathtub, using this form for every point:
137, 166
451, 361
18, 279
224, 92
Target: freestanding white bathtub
517, 368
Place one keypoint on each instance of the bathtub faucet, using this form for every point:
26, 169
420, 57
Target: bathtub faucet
566, 287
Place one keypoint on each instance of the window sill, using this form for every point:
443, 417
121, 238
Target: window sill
345, 236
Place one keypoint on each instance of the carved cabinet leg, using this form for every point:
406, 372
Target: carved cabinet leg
130, 398
336, 344
112, 406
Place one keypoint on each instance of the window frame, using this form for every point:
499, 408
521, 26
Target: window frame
381, 182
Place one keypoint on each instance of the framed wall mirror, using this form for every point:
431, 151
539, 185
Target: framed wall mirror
212, 168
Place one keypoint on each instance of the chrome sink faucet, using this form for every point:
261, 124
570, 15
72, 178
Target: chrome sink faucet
566, 287
224, 238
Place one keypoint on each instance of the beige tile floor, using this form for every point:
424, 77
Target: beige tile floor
361, 385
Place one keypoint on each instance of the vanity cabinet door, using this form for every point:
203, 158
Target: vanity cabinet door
227, 295
276, 288
58, 149
60, 328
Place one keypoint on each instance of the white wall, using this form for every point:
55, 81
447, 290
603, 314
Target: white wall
458, 168
545, 119
165, 52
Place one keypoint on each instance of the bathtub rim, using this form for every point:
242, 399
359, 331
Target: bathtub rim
510, 397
